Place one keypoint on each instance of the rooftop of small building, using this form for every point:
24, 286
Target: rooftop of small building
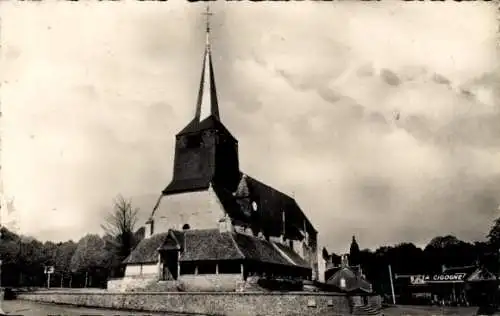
213, 245
353, 280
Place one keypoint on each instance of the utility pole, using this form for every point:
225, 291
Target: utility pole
392, 286
1, 292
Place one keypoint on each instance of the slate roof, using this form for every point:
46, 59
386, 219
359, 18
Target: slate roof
210, 122
256, 249
180, 185
353, 281
174, 240
292, 255
147, 250
212, 245
271, 204
480, 275
208, 245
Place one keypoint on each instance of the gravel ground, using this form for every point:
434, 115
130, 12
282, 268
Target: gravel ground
429, 310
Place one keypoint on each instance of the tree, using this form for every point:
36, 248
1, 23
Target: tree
450, 251
494, 234
64, 253
90, 256
354, 252
120, 228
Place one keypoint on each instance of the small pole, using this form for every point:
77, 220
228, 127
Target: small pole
1, 291
392, 286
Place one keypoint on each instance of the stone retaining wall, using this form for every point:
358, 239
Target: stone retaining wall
212, 303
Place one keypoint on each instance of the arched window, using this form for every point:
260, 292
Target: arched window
186, 227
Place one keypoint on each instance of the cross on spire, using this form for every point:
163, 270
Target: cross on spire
207, 15
207, 104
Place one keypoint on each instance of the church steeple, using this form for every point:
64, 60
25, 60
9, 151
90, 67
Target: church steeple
205, 151
207, 103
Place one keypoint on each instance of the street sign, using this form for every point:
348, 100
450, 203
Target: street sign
49, 270
438, 278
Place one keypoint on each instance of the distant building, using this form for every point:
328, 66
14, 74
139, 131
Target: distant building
469, 285
214, 224
346, 278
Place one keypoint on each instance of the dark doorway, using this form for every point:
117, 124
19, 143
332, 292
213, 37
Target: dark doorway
170, 261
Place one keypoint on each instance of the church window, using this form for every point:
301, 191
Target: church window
254, 206
186, 227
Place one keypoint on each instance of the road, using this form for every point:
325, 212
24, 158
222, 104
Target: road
26, 308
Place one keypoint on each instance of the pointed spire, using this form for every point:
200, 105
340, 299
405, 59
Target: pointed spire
207, 96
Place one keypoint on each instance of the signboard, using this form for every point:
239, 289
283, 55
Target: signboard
49, 270
437, 278
417, 279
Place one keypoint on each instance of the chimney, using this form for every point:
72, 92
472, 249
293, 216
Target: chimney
225, 225
149, 229
344, 261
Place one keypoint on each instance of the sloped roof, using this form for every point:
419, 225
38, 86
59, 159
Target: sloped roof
480, 275
208, 245
210, 122
174, 240
292, 255
330, 271
181, 185
271, 204
259, 250
212, 245
147, 250
353, 281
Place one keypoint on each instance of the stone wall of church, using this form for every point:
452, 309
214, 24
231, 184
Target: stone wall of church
131, 283
211, 282
200, 210
142, 270
205, 303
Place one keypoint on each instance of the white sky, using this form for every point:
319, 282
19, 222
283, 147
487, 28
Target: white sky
93, 92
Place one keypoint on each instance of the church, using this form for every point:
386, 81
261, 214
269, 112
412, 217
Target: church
215, 225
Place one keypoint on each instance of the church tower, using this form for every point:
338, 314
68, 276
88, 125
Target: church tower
206, 163
205, 151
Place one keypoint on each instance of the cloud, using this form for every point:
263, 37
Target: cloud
390, 77
440, 79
